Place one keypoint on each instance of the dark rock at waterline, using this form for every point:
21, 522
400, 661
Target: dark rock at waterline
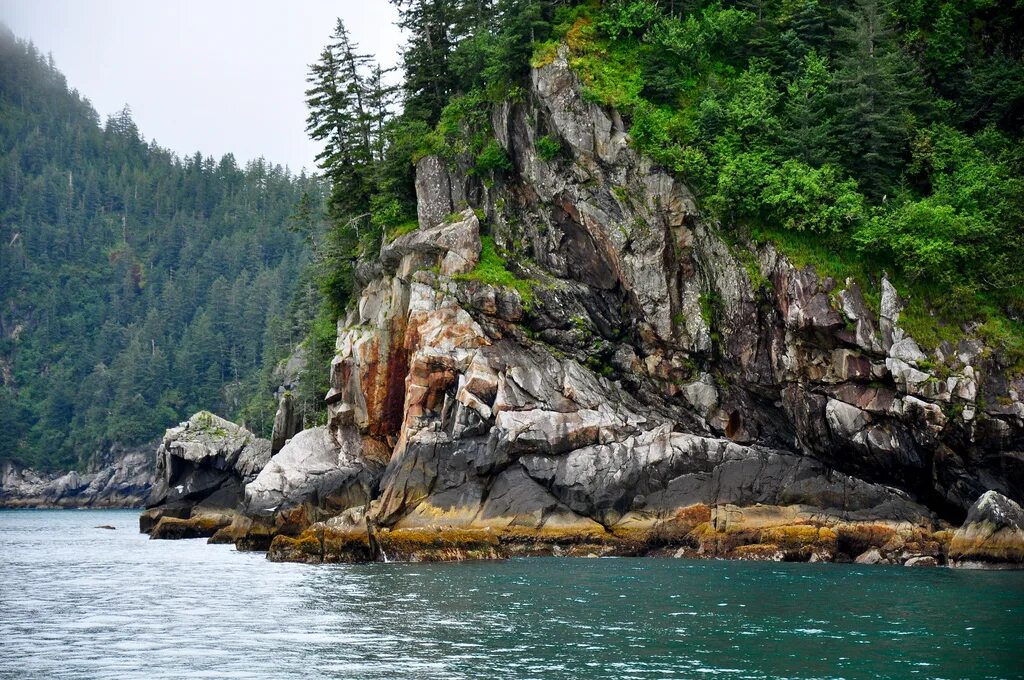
921, 561
201, 526
148, 519
106, 526
991, 537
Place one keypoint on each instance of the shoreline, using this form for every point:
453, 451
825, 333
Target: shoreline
322, 545
51, 506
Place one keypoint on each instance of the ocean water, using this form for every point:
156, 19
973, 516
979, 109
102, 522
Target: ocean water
77, 601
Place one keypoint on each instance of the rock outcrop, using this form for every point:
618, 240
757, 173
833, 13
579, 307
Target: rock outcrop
122, 478
633, 383
314, 477
202, 467
992, 536
287, 422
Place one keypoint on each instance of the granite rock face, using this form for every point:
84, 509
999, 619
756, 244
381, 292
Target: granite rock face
619, 400
315, 476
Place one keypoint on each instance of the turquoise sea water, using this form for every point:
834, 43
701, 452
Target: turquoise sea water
81, 602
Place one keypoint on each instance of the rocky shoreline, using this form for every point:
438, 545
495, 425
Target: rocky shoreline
627, 383
569, 358
122, 478
201, 495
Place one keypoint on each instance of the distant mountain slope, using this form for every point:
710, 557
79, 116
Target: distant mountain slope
135, 287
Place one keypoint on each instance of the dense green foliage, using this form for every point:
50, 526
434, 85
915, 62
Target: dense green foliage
891, 133
135, 288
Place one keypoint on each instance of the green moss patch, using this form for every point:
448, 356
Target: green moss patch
493, 270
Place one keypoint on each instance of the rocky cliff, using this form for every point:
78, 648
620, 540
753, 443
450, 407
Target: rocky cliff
569, 357
122, 478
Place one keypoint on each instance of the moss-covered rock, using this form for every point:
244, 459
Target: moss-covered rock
321, 545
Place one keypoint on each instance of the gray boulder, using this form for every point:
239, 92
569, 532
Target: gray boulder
453, 246
991, 537
872, 556
203, 464
315, 474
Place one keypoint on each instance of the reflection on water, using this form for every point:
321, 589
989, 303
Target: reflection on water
82, 602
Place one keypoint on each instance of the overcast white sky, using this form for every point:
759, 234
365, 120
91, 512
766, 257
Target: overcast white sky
208, 75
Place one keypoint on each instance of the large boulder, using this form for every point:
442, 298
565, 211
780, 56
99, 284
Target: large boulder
315, 476
202, 467
453, 246
992, 536
439, 192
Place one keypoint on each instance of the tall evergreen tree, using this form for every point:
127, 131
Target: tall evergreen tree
429, 80
807, 133
875, 89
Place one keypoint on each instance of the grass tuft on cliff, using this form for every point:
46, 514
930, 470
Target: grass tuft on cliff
493, 270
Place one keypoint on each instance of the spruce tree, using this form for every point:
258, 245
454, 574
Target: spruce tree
807, 127
874, 89
429, 80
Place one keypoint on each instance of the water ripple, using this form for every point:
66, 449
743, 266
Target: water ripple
79, 602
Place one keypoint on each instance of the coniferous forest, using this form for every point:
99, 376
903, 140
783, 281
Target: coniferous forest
858, 137
135, 287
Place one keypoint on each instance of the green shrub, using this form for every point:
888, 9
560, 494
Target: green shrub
548, 147
406, 227
492, 159
492, 270
803, 198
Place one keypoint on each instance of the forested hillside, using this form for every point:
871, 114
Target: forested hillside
135, 287
862, 138
859, 137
